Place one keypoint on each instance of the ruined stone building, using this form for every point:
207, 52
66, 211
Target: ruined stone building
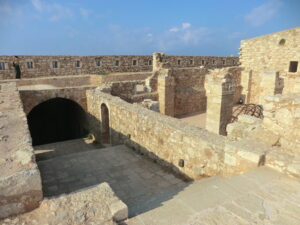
153, 140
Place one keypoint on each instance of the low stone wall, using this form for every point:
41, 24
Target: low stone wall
61, 81
20, 181
78, 80
104, 79
166, 140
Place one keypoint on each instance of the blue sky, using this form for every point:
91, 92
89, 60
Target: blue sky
110, 27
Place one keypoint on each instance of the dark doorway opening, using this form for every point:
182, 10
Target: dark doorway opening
105, 133
57, 120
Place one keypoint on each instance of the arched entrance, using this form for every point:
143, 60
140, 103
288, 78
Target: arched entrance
56, 120
105, 132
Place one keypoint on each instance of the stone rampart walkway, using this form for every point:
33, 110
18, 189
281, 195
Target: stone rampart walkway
262, 196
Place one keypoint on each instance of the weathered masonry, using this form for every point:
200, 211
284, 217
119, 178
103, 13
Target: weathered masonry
191, 116
41, 66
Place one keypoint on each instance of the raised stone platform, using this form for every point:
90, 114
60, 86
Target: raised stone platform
20, 181
95, 205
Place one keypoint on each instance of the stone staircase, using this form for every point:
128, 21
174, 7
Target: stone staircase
262, 196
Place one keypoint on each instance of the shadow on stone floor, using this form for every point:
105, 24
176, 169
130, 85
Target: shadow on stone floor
139, 182
52, 150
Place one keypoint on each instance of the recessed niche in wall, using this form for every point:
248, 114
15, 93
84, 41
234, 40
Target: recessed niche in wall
282, 42
293, 66
178, 62
134, 62
150, 62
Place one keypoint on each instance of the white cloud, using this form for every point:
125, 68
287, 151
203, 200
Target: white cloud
181, 36
37, 4
85, 12
263, 13
174, 29
186, 25
10, 13
54, 11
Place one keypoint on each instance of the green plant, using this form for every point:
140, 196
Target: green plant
103, 73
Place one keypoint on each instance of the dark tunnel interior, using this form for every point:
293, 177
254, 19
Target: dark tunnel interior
57, 120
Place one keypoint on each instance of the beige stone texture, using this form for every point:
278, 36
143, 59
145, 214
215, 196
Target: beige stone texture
271, 52
95, 205
220, 88
164, 139
42, 65
20, 181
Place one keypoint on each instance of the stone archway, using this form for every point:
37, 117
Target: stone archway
105, 130
55, 120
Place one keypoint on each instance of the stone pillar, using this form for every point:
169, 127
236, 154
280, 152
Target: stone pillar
166, 93
267, 85
246, 79
158, 61
219, 91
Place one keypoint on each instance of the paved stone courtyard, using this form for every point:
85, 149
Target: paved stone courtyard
137, 181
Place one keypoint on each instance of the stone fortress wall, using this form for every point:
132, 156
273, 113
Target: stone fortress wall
75, 65
180, 88
271, 52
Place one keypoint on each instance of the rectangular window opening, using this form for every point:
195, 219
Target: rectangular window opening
77, 63
191, 62
293, 66
54, 64
150, 62
98, 62
134, 62
117, 63
178, 62
202, 62
30, 65
2, 66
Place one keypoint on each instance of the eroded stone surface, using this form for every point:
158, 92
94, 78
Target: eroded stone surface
93, 206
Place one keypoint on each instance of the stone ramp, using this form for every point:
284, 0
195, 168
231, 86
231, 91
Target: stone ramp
262, 196
140, 183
